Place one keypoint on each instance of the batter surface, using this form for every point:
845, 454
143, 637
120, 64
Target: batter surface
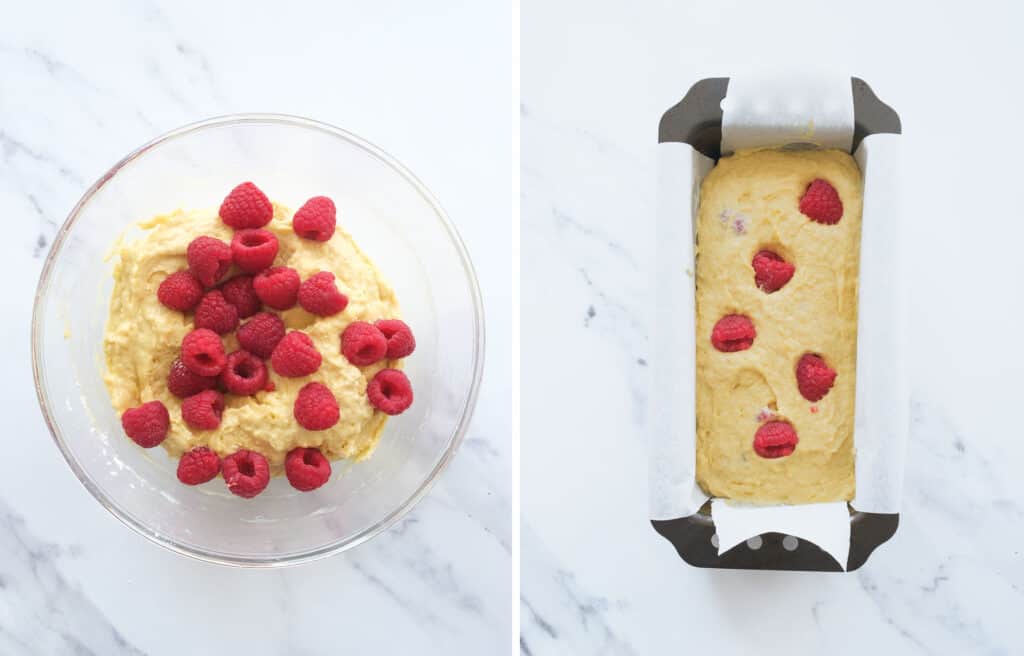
143, 339
749, 203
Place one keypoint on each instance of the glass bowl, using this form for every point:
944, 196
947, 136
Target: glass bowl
393, 218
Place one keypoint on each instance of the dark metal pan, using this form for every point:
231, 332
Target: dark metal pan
697, 120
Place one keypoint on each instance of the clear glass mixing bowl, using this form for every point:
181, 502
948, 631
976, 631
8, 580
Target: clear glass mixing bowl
395, 220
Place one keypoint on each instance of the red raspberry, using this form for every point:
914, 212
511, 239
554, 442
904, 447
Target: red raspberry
246, 207
180, 291
814, 378
295, 356
182, 382
202, 411
315, 407
246, 473
244, 374
208, 259
775, 439
390, 391
261, 334
198, 466
400, 340
363, 343
202, 352
306, 468
277, 287
733, 332
771, 272
239, 292
254, 250
821, 203
147, 424
320, 296
316, 219
215, 313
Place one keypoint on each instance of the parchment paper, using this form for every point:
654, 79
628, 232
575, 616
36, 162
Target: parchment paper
781, 112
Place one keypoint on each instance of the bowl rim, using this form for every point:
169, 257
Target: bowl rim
454, 440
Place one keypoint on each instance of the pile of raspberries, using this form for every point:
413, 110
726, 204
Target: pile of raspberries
203, 372
736, 332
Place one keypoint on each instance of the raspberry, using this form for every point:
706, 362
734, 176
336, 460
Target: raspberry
182, 382
180, 291
261, 334
277, 287
315, 407
814, 378
390, 391
244, 374
821, 203
202, 352
246, 207
198, 466
239, 292
363, 343
775, 439
253, 250
202, 411
733, 332
246, 473
215, 313
320, 296
306, 468
208, 259
400, 340
316, 219
295, 355
771, 272
147, 424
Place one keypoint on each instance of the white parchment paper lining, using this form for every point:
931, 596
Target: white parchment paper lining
779, 112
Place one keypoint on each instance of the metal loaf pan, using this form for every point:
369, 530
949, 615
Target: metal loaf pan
697, 120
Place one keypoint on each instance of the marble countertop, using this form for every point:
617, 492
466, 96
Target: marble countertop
80, 88
596, 578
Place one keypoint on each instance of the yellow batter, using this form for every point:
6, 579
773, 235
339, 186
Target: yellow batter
143, 339
750, 202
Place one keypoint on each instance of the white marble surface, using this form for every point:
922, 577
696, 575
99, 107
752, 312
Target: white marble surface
434, 84
596, 578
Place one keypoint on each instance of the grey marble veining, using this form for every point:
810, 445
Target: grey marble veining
597, 579
44, 613
77, 94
